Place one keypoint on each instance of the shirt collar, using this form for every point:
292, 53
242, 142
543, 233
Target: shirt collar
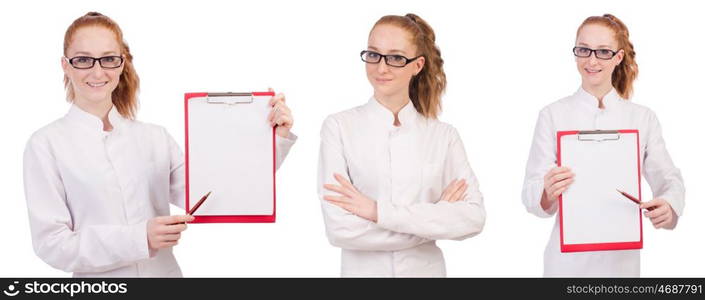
609, 100
92, 122
407, 115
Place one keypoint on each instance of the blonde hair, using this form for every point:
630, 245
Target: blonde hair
124, 96
625, 73
426, 88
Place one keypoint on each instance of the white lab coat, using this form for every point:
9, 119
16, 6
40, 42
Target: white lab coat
404, 169
580, 112
90, 194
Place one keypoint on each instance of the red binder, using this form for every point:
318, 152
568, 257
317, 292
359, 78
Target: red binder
593, 215
227, 154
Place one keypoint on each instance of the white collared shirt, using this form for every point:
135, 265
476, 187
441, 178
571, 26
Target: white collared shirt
90, 193
580, 112
404, 169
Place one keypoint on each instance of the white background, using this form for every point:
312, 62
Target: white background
505, 60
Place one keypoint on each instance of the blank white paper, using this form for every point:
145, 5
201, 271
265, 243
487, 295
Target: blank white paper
593, 211
231, 154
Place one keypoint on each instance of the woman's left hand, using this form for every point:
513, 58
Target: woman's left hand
660, 213
351, 199
280, 116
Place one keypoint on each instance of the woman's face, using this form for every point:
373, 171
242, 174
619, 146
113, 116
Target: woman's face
596, 72
95, 84
389, 81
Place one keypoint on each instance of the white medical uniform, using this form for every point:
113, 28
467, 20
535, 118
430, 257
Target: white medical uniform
580, 112
90, 194
404, 169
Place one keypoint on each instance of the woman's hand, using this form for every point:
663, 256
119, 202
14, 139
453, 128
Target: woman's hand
455, 191
280, 115
351, 200
556, 181
165, 231
660, 213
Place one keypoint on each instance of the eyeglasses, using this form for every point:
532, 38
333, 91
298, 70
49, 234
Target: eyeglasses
393, 60
599, 53
87, 62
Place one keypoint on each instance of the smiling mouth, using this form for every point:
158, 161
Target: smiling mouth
592, 71
96, 84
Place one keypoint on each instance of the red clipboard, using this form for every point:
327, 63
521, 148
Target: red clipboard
608, 209
218, 111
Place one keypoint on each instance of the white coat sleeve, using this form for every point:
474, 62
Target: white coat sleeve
437, 220
542, 158
283, 145
93, 248
344, 229
662, 175
177, 173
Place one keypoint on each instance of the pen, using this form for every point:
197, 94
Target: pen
195, 207
634, 199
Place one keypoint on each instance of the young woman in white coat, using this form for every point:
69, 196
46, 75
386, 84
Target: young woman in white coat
605, 59
98, 183
392, 178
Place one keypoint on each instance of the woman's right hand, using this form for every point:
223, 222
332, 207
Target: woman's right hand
556, 181
455, 190
165, 231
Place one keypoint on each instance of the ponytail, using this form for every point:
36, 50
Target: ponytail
426, 88
625, 73
124, 96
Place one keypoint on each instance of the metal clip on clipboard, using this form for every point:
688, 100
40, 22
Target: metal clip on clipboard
230, 98
597, 135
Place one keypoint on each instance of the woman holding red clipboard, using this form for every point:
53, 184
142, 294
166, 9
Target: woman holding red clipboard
605, 59
98, 182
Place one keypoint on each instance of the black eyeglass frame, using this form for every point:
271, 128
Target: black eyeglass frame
94, 59
594, 51
384, 56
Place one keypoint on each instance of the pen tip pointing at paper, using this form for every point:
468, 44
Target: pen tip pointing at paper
195, 207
